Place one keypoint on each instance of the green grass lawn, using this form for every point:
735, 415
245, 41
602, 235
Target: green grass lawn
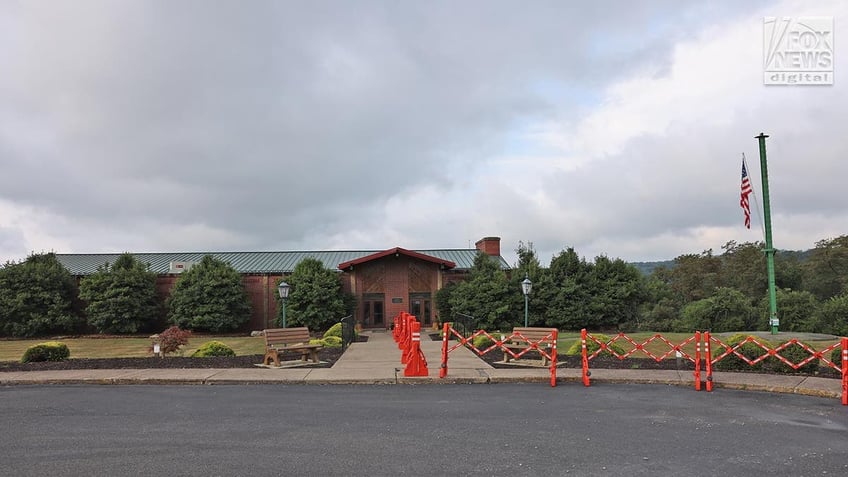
658, 347
130, 347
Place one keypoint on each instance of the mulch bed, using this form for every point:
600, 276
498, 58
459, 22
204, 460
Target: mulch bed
327, 356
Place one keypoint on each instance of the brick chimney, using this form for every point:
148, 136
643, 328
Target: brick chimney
489, 246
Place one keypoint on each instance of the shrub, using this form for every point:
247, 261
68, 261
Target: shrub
332, 342
836, 356
592, 346
172, 339
213, 348
795, 354
482, 342
335, 330
733, 362
49, 351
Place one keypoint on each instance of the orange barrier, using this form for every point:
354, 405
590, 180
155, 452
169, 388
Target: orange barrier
416, 363
406, 335
640, 347
845, 371
396, 328
548, 352
726, 350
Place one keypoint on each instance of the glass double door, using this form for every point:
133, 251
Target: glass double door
373, 311
420, 305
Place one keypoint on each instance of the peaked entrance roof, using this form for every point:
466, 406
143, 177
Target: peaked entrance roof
397, 251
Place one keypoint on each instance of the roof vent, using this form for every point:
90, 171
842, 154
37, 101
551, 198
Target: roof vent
179, 267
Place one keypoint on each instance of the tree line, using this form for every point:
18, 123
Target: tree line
725, 292
39, 296
704, 291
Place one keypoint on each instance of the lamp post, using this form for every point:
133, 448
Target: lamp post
283, 288
526, 287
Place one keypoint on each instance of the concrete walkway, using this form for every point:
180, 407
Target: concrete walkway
378, 362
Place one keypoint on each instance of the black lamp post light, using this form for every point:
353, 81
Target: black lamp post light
526, 288
284, 288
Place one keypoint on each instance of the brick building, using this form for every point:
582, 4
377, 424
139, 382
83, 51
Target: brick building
384, 282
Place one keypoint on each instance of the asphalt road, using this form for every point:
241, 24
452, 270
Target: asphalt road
503, 429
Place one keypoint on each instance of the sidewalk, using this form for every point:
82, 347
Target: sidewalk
378, 362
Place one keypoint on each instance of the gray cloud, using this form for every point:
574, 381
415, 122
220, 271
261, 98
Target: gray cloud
286, 125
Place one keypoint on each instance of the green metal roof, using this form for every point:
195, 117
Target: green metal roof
253, 262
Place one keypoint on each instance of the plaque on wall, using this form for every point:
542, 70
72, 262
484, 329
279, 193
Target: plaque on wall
397, 300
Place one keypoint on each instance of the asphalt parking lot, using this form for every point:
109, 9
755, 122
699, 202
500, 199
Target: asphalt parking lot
499, 429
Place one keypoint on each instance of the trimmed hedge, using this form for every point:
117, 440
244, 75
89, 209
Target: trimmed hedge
48, 351
213, 348
328, 342
336, 331
795, 354
592, 346
732, 362
482, 342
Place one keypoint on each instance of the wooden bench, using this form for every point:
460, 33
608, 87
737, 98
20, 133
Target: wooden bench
534, 335
282, 340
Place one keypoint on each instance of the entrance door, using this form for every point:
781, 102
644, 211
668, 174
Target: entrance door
420, 305
372, 311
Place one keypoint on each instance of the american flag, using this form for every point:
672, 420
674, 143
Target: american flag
746, 191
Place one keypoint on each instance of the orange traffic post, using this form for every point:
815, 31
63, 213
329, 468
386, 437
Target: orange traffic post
698, 360
845, 371
554, 358
407, 339
443, 369
401, 330
416, 364
709, 361
586, 372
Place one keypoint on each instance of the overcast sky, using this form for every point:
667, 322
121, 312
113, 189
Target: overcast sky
616, 129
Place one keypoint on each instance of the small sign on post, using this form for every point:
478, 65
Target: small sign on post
157, 348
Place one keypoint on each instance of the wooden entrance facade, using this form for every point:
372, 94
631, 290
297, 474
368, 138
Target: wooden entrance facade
396, 280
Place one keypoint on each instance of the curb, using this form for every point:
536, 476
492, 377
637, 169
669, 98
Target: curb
483, 378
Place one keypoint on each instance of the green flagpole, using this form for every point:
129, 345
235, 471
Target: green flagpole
769, 250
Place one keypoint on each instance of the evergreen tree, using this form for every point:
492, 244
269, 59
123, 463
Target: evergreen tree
316, 299
36, 297
210, 296
121, 298
617, 292
443, 298
569, 296
486, 296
